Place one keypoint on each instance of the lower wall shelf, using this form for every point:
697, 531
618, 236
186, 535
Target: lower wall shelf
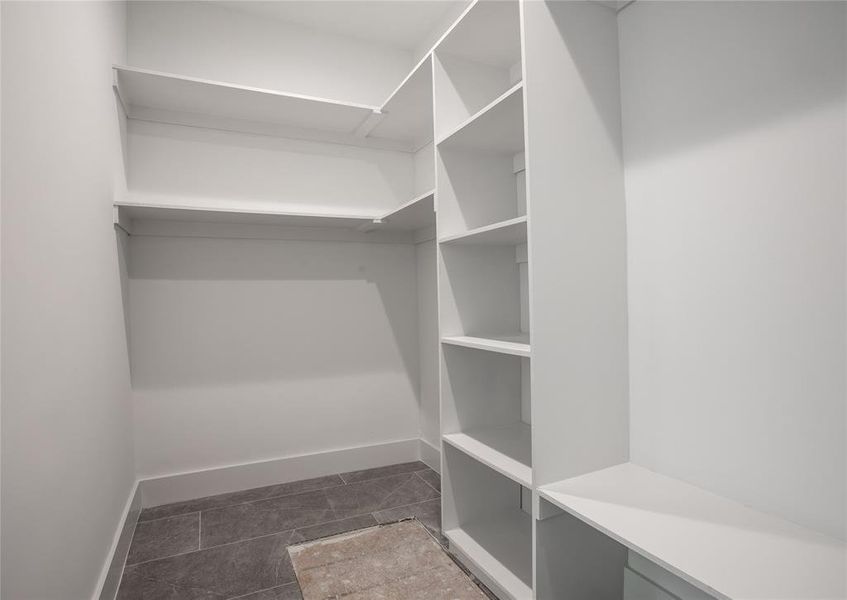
501, 548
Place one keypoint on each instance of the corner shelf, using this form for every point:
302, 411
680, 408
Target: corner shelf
417, 213
500, 547
406, 116
507, 450
505, 233
495, 129
516, 345
718, 545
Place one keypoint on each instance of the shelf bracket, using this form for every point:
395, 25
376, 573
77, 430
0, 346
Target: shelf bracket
365, 227
371, 121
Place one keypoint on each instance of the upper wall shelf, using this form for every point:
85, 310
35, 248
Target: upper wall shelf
718, 545
403, 123
153, 212
407, 114
157, 96
497, 128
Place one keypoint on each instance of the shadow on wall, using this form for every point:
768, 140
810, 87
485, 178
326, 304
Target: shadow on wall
208, 312
766, 61
205, 164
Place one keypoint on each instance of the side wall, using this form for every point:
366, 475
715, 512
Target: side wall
734, 138
67, 465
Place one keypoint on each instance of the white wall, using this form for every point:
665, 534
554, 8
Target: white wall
67, 465
245, 350
734, 135
430, 429
202, 167
216, 42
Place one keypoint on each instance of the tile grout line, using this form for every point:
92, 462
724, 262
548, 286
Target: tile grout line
186, 514
128, 564
295, 582
432, 487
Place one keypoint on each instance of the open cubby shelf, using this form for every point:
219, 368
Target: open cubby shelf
515, 344
496, 129
506, 449
505, 233
501, 547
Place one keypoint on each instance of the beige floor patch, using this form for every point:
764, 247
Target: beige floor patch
400, 561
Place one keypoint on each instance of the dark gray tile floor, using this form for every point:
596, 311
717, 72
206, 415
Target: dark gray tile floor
235, 545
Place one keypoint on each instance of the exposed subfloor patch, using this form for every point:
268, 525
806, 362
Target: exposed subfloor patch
398, 561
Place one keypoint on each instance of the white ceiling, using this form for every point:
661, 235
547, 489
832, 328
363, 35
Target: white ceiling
399, 23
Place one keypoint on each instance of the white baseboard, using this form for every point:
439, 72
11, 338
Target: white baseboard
430, 455
231, 478
110, 577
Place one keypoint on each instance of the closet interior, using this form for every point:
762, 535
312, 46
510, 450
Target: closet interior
423, 247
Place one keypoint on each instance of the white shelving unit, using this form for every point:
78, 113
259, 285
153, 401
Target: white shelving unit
520, 101
482, 227
720, 546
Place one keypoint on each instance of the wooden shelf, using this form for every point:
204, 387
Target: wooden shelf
500, 547
507, 450
407, 114
517, 345
718, 545
505, 233
417, 213
496, 129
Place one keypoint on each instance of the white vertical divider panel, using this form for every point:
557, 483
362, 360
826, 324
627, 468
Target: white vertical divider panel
577, 280
577, 239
